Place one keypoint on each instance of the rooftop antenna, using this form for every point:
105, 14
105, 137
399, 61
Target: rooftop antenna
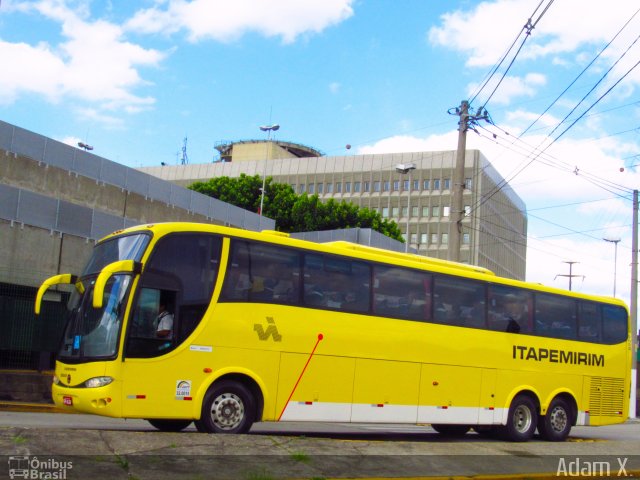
570, 275
184, 159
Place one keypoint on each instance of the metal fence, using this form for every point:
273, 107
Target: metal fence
80, 162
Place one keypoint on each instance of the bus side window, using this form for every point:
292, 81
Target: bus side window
589, 322
402, 293
614, 324
556, 316
510, 309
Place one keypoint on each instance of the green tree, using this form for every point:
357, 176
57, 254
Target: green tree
291, 212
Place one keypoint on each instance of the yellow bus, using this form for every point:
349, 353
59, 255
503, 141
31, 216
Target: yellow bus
181, 322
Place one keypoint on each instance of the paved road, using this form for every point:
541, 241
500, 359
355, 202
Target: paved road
85, 446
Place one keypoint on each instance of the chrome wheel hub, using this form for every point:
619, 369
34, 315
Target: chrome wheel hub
227, 411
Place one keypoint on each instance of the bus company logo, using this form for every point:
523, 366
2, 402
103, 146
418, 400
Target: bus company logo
35, 468
522, 352
271, 331
183, 388
579, 467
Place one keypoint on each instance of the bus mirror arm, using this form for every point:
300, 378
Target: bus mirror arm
65, 278
122, 266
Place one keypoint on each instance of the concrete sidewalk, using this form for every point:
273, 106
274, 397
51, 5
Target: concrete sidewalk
115, 454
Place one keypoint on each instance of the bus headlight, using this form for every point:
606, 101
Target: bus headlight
56, 380
96, 382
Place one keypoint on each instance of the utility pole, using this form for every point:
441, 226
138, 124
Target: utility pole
634, 306
457, 208
570, 275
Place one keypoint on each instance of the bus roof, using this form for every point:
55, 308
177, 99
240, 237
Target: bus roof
411, 257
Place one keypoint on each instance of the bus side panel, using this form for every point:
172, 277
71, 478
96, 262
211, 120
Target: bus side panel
449, 394
605, 400
324, 391
386, 391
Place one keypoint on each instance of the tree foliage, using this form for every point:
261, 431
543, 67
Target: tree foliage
291, 212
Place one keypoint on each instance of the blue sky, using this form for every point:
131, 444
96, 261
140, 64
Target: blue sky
134, 78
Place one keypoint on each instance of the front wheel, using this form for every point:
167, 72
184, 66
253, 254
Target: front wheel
165, 425
556, 424
228, 407
522, 420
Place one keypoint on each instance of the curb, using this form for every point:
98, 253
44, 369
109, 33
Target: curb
7, 406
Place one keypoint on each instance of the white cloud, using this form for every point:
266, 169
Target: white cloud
511, 87
227, 21
93, 63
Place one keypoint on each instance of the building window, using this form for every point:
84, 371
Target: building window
385, 212
468, 183
414, 238
301, 188
356, 187
445, 238
447, 184
435, 211
423, 238
425, 211
394, 212
434, 239
416, 185
425, 184
466, 238
338, 187
405, 211
311, 187
467, 210
321, 188
385, 186
329, 187
414, 211
366, 186
376, 186
445, 211
405, 185
396, 185
347, 187
436, 184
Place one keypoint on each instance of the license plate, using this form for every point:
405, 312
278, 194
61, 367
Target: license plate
68, 401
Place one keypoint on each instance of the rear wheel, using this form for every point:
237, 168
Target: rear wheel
228, 407
522, 420
165, 425
451, 430
556, 424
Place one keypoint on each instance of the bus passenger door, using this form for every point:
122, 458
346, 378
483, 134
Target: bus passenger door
450, 394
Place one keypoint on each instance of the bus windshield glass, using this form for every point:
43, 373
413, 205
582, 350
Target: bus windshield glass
129, 247
92, 333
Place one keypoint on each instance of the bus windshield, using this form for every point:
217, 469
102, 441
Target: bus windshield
92, 333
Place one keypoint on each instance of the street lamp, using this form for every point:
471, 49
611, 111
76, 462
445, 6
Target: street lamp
403, 169
86, 147
615, 260
269, 129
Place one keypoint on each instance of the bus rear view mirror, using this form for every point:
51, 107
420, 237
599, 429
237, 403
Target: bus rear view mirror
122, 266
65, 278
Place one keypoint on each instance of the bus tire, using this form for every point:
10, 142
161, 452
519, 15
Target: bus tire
165, 425
451, 430
522, 420
228, 407
556, 424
